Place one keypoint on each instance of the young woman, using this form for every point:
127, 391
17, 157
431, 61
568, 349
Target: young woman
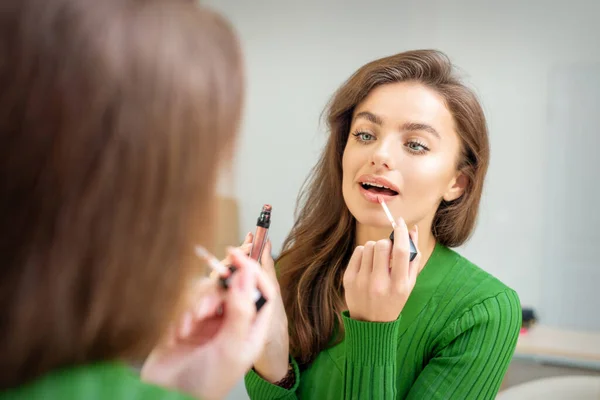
364, 321
114, 118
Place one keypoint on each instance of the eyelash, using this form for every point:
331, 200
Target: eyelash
422, 150
357, 136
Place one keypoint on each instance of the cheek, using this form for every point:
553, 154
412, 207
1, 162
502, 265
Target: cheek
353, 161
349, 165
427, 177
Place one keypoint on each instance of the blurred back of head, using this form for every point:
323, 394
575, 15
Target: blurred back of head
114, 117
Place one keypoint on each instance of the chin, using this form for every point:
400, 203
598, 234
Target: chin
377, 225
374, 218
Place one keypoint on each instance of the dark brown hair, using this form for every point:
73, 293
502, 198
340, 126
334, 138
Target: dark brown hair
318, 248
114, 116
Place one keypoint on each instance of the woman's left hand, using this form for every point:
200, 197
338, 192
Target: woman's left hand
380, 277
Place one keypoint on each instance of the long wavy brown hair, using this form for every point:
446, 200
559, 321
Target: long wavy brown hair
321, 241
114, 116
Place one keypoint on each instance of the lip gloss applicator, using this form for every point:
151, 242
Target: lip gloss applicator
225, 273
413, 249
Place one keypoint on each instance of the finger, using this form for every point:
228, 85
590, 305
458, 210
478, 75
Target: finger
207, 306
400, 252
240, 310
366, 264
267, 262
245, 248
415, 266
205, 299
185, 325
259, 331
353, 266
199, 291
381, 264
266, 285
264, 281
260, 328
241, 260
203, 332
248, 238
201, 287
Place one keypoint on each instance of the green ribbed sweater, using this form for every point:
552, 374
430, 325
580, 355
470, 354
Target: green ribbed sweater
101, 381
453, 340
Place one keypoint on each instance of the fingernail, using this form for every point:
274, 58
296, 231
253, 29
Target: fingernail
247, 236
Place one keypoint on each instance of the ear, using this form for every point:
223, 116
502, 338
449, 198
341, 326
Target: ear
456, 187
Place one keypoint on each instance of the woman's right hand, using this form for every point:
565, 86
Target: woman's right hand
272, 364
380, 276
218, 338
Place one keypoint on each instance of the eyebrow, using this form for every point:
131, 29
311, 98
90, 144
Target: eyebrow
407, 126
416, 126
369, 117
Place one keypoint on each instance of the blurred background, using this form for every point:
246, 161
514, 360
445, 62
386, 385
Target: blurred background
536, 67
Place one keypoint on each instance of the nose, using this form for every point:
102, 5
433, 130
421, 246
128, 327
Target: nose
381, 156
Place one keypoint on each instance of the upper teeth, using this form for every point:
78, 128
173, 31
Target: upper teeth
376, 185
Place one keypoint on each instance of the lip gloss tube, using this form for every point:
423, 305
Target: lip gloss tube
413, 249
262, 230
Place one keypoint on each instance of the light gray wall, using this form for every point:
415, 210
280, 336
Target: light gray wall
298, 53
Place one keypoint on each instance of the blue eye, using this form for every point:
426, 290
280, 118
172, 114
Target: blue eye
416, 147
363, 136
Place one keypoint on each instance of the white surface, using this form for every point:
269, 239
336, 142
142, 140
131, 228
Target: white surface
299, 52
559, 388
567, 347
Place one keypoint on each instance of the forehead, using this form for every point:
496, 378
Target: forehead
400, 102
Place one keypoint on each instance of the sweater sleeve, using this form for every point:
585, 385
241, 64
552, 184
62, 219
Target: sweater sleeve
371, 359
260, 389
473, 353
